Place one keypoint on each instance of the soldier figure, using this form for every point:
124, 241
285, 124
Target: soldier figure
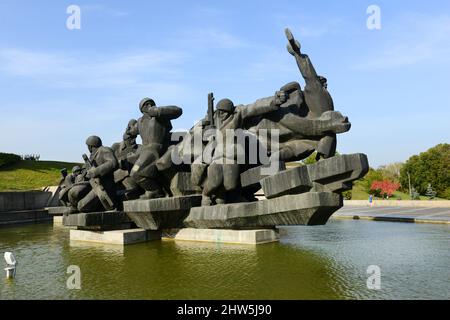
223, 174
127, 153
67, 181
316, 95
154, 128
100, 170
79, 189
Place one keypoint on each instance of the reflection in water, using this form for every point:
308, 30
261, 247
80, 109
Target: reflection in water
94, 247
326, 262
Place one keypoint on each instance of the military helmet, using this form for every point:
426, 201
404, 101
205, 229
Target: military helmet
94, 141
131, 123
127, 136
225, 105
76, 169
145, 101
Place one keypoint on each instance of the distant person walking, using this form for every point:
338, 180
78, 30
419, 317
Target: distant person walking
370, 200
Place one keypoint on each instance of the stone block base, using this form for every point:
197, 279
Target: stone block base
335, 174
311, 208
127, 236
59, 211
98, 220
161, 213
58, 220
227, 236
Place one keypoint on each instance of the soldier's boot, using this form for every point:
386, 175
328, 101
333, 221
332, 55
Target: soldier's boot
152, 189
220, 200
206, 201
132, 189
152, 195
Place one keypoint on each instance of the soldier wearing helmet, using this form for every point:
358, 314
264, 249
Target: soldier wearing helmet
104, 163
154, 128
223, 173
67, 182
127, 146
76, 170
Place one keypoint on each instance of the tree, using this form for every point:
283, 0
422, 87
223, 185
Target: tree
431, 166
430, 193
391, 171
371, 176
7, 159
347, 195
385, 188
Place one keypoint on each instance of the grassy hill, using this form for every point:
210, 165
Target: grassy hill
32, 175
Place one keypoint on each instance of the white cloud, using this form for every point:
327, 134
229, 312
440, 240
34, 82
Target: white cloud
60, 69
413, 39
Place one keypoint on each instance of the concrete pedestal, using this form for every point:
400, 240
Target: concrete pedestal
105, 220
127, 236
161, 213
227, 236
58, 220
59, 211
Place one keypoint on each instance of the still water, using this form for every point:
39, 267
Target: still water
326, 262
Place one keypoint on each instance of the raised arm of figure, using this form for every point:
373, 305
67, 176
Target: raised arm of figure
170, 112
303, 62
259, 107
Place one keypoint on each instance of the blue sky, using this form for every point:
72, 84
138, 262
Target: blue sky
59, 86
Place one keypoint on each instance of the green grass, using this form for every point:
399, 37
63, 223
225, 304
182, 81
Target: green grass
32, 175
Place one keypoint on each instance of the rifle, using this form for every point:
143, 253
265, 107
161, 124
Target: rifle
211, 109
98, 188
62, 191
63, 172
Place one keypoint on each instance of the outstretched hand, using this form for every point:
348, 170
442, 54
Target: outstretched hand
293, 46
280, 97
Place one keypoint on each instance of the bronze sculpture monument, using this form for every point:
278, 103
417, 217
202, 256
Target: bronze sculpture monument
207, 177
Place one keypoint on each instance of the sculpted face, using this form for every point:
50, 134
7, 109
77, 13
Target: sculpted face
92, 149
130, 142
323, 81
223, 115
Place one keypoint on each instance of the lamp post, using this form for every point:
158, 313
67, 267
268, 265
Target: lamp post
409, 182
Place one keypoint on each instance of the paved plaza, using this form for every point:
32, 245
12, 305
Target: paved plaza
400, 214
